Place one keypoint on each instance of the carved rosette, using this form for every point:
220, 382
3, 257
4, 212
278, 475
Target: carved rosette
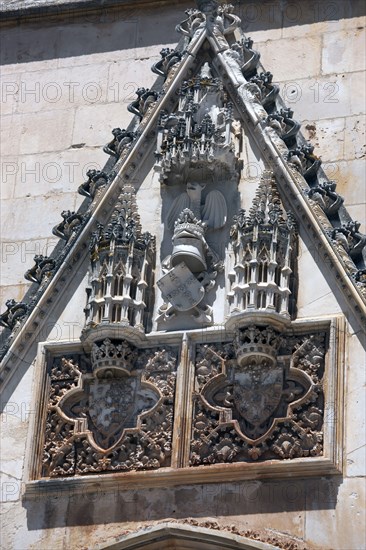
115, 414
258, 398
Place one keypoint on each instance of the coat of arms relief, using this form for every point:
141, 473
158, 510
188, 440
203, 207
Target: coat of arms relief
113, 412
258, 398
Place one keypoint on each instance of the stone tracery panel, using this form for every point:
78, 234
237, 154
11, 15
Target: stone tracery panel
113, 413
259, 398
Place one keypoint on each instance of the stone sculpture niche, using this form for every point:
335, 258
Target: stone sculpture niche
191, 269
198, 141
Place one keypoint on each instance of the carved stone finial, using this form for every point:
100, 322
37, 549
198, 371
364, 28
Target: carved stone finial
124, 226
264, 246
266, 207
121, 271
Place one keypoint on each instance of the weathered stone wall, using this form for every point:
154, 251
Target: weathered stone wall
66, 82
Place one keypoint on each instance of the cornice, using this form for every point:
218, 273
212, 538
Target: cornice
22, 12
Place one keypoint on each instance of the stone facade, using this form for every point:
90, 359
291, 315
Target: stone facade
215, 360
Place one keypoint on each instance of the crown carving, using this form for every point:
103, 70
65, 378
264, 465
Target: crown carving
257, 341
187, 223
108, 355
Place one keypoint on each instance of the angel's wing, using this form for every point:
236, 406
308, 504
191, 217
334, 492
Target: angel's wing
214, 210
179, 204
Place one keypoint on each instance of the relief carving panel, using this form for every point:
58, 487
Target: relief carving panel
258, 398
111, 413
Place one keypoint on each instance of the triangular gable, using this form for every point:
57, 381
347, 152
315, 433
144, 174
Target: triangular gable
218, 41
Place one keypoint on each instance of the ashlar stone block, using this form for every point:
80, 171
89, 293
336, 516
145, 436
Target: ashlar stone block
63, 88
44, 131
303, 56
94, 123
354, 138
327, 136
344, 51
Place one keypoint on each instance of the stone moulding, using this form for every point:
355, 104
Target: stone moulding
180, 472
180, 535
48, 8
105, 483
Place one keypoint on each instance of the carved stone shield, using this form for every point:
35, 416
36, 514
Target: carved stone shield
181, 288
257, 391
111, 408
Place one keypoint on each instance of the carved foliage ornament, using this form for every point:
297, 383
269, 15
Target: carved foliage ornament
260, 397
14, 314
169, 58
42, 270
113, 414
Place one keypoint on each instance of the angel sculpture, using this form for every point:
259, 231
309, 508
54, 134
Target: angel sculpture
191, 269
190, 219
212, 213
